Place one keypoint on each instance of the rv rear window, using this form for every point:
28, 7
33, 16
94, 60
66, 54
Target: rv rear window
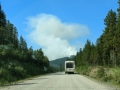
69, 65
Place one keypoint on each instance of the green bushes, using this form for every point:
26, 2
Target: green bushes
13, 71
16, 64
83, 70
9, 74
4, 76
100, 72
18, 72
115, 74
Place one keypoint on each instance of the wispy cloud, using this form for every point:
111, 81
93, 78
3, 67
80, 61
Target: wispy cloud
54, 36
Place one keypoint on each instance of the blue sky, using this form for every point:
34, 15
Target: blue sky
59, 27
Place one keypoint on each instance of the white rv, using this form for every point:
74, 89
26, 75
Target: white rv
69, 67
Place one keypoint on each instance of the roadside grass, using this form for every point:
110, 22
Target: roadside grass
109, 75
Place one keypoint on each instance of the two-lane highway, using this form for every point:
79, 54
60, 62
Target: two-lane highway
58, 81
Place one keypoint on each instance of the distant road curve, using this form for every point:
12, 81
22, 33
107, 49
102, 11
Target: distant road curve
58, 81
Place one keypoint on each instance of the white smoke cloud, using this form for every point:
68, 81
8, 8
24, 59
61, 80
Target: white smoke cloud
54, 36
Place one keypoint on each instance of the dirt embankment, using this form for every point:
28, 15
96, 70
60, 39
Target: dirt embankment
111, 75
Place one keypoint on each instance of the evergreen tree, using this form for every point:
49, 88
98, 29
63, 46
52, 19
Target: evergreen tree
80, 58
40, 55
110, 38
86, 52
46, 61
2, 25
22, 45
118, 34
93, 55
99, 51
76, 59
15, 37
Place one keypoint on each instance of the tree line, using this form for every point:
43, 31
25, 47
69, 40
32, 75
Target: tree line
106, 50
16, 59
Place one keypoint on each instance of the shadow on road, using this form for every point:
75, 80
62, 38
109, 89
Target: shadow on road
15, 84
58, 73
37, 78
63, 73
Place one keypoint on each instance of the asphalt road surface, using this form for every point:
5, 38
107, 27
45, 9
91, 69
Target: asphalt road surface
58, 81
